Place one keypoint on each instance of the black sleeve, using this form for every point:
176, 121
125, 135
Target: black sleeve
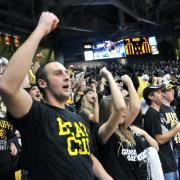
84, 115
91, 126
141, 143
96, 141
178, 107
138, 120
32, 121
11, 136
10, 131
152, 123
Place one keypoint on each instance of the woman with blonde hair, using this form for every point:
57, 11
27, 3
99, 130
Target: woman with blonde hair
118, 146
89, 107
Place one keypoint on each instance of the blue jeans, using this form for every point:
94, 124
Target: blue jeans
177, 158
171, 176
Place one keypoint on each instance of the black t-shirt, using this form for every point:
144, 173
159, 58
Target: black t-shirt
78, 103
171, 120
56, 143
177, 105
7, 134
139, 120
90, 123
155, 124
119, 158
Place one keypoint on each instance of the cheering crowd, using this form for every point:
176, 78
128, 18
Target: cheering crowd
117, 122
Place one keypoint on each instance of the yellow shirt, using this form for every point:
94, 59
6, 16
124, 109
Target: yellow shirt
32, 78
142, 85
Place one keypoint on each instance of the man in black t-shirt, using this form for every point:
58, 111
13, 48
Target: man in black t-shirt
155, 124
171, 117
56, 141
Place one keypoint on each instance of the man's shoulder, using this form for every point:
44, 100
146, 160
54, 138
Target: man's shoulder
152, 111
152, 114
163, 106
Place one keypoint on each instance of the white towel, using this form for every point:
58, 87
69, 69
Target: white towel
154, 167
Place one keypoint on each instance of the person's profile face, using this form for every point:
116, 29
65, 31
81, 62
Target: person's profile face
169, 95
59, 83
157, 97
90, 96
35, 93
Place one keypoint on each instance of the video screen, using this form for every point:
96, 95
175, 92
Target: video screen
153, 45
136, 46
109, 49
88, 55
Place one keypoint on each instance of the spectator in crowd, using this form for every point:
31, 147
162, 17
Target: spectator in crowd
8, 140
8, 149
171, 117
117, 145
57, 140
156, 125
35, 66
34, 93
143, 83
90, 107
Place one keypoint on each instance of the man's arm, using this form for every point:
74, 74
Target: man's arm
17, 100
163, 138
98, 169
37, 61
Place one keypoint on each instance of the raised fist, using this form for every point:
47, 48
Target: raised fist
104, 72
47, 22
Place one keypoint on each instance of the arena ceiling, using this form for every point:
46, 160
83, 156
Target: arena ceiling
83, 19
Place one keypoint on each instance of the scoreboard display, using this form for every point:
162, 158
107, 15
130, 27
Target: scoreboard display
126, 47
137, 46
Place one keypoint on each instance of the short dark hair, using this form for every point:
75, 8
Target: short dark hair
42, 74
148, 101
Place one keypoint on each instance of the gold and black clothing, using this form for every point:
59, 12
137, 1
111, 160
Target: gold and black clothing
56, 143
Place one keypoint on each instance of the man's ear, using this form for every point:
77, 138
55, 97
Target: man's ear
42, 84
150, 97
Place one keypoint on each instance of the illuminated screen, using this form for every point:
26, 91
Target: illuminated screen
88, 55
153, 45
109, 49
137, 46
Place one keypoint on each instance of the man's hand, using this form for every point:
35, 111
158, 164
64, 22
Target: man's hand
178, 127
126, 79
39, 57
13, 149
104, 72
47, 22
95, 97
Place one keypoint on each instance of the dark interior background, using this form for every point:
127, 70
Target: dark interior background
83, 21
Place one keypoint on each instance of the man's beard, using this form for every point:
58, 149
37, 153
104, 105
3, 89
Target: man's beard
60, 97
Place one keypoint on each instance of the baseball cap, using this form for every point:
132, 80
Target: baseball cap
149, 90
167, 86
